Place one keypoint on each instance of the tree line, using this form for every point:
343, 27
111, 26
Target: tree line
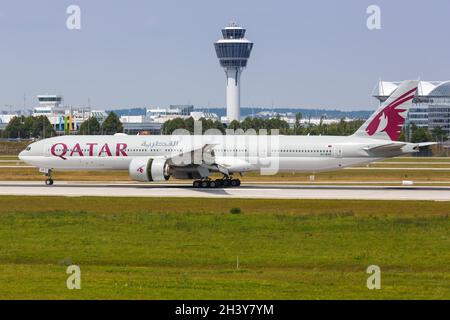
40, 127
410, 133
340, 128
92, 126
29, 127
415, 134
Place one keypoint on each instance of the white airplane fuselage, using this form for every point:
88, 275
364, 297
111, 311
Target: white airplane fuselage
236, 154
156, 158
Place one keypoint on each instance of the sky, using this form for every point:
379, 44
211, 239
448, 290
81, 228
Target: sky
310, 54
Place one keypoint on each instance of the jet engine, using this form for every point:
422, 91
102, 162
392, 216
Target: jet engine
149, 169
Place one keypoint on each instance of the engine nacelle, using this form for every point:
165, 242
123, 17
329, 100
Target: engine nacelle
149, 169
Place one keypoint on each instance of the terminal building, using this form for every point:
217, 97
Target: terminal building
140, 124
431, 105
161, 115
64, 119
68, 119
173, 111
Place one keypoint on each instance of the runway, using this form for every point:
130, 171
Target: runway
251, 191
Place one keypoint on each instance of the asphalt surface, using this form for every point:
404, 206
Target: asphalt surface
246, 190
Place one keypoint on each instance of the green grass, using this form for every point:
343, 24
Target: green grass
417, 159
9, 157
400, 165
13, 147
161, 248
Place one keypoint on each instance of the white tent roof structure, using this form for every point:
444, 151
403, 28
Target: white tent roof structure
425, 89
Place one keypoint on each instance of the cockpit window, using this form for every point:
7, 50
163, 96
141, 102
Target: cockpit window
28, 149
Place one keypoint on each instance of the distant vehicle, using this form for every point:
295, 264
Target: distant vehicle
157, 158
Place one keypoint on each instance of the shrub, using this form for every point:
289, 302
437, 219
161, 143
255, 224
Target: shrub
235, 210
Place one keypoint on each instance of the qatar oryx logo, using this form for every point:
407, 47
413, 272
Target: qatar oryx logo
391, 118
140, 169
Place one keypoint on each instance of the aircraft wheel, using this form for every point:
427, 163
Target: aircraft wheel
49, 182
235, 183
205, 184
226, 182
212, 184
219, 183
196, 184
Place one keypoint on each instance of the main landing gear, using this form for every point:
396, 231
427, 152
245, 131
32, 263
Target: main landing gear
217, 183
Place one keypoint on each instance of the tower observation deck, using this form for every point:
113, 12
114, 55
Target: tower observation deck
233, 52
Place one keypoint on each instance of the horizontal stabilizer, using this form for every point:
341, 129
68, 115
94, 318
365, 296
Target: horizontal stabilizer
385, 147
425, 144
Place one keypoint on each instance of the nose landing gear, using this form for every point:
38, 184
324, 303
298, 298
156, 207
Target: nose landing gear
48, 174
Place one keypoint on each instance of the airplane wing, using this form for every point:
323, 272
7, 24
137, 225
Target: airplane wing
203, 160
197, 155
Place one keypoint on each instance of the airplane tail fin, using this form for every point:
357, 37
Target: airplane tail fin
386, 123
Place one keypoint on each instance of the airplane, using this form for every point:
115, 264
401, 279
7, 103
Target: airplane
196, 157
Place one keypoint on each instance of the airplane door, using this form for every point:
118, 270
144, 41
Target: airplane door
338, 151
47, 150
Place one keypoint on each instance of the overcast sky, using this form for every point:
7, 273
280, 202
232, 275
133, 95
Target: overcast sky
155, 53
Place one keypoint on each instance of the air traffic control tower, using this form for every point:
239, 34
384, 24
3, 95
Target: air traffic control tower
233, 52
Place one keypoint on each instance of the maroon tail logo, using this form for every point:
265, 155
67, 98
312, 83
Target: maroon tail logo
140, 169
390, 119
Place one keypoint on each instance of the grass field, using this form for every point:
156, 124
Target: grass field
12, 147
175, 248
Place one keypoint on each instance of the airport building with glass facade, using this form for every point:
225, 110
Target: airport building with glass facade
431, 105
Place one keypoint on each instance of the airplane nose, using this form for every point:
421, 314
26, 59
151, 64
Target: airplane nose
21, 154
